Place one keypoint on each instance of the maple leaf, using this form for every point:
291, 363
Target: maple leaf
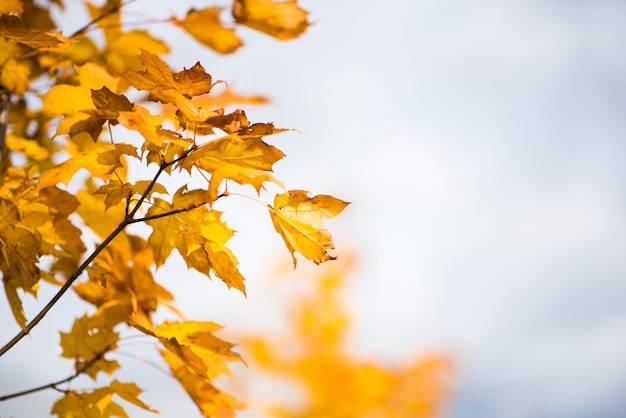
87, 405
169, 87
14, 76
100, 162
127, 391
19, 253
205, 26
211, 401
98, 403
87, 341
12, 27
193, 343
123, 50
114, 191
280, 19
130, 285
204, 249
298, 219
149, 126
166, 230
108, 104
244, 160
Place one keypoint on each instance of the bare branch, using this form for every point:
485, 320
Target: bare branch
53, 385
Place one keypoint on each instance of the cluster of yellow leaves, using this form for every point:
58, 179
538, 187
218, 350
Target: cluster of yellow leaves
334, 383
65, 170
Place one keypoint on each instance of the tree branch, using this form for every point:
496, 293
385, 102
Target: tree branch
5, 100
54, 385
128, 219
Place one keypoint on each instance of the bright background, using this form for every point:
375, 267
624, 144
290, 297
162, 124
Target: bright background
482, 144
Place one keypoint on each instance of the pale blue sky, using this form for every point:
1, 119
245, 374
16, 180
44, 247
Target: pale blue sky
482, 144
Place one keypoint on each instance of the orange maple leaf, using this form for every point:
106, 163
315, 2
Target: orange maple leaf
205, 26
12, 27
281, 19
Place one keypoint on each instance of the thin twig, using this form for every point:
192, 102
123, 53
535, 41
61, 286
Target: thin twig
99, 18
169, 213
54, 385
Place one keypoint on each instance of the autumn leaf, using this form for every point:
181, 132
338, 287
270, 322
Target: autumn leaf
280, 19
108, 104
87, 405
98, 403
211, 401
114, 191
127, 391
298, 219
246, 161
86, 341
169, 87
166, 230
204, 249
193, 343
205, 26
129, 284
19, 254
149, 126
123, 50
12, 27
100, 162
14, 76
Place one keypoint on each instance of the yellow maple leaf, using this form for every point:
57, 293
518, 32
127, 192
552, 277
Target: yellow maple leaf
244, 160
121, 52
281, 19
98, 403
86, 341
14, 76
194, 344
211, 401
131, 286
20, 249
298, 219
100, 162
205, 26
63, 99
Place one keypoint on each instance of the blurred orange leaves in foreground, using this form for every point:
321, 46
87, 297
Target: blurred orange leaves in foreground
311, 356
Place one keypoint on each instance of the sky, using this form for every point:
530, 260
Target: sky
482, 146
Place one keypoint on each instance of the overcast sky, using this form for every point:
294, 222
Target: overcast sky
483, 146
